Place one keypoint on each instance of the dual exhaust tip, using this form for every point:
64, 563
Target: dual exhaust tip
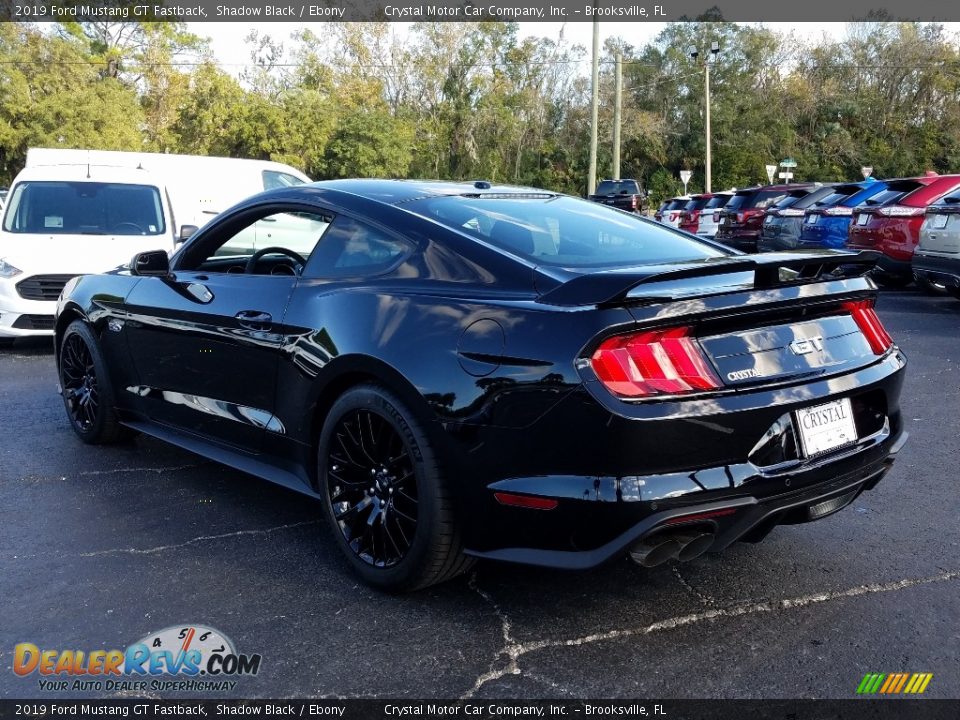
658, 549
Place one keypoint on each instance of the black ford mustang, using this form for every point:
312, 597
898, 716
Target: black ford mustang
463, 370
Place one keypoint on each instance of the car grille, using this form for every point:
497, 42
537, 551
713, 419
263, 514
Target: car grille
34, 322
42, 287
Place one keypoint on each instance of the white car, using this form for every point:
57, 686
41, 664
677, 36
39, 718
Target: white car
66, 216
710, 214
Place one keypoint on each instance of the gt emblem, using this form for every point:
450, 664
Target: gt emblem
807, 345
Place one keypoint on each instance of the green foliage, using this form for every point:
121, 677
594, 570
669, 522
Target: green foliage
473, 100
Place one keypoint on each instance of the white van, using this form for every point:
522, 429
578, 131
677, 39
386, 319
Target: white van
73, 212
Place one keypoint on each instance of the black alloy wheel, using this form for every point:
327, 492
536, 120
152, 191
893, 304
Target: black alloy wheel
79, 381
372, 488
388, 503
85, 386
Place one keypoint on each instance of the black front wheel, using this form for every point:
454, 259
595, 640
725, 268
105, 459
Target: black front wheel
386, 500
86, 390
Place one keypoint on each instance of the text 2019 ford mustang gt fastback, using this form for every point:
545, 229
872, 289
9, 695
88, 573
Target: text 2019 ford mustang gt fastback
461, 371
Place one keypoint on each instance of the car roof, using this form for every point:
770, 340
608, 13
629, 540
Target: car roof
394, 192
88, 173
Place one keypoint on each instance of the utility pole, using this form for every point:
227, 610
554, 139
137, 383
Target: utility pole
708, 174
594, 109
693, 52
617, 105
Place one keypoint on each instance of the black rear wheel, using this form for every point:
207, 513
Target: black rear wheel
86, 390
386, 500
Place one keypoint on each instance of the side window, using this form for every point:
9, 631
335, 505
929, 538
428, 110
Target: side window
353, 249
283, 239
273, 179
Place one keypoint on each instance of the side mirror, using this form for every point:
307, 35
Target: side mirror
186, 232
153, 263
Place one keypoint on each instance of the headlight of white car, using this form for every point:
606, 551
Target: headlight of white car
7, 270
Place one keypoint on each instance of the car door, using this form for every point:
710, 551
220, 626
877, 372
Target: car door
206, 340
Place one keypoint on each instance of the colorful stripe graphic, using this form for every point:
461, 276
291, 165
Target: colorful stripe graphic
894, 683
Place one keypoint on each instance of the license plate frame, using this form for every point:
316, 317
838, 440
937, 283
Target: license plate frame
939, 221
825, 427
863, 219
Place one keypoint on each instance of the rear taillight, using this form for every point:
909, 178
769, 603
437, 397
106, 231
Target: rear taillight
870, 325
741, 217
837, 211
633, 203
655, 362
900, 211
791, 212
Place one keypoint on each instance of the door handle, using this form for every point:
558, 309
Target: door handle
254, 319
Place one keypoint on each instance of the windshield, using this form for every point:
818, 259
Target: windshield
563, 231
84, 208
677, 203
618, 187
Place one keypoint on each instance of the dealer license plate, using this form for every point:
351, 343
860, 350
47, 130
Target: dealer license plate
940, 221
826, 427
862, 219
812, 219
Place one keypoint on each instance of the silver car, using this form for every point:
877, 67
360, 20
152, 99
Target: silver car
936, 262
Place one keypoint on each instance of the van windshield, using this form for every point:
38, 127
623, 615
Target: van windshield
84, 208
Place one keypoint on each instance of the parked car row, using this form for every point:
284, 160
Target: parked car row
913, 222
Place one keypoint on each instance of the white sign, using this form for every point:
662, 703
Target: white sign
685, 176
867, 171
771, 169
785, 175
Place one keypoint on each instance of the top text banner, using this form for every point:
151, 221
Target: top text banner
476, 10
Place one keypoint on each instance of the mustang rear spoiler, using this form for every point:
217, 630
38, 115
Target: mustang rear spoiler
769, 270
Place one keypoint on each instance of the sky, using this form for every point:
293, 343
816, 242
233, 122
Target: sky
233, 54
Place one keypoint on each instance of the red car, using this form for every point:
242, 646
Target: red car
890, 221
742, 218
690, 215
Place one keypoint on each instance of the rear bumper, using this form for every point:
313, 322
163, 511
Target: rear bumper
940, 268
745, 240
747, 517
616, 479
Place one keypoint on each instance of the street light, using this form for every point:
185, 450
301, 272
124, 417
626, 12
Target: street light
693, 52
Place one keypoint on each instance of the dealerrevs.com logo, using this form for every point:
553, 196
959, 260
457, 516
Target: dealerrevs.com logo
178, 658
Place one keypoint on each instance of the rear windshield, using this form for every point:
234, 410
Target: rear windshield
663, 206
84, 208
695, 204
717, 201
837, 195
677, 204
618, 187
951, 199
813, 198
562, 231
891, 194
788, 200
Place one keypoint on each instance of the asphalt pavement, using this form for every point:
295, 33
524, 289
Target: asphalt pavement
101, 546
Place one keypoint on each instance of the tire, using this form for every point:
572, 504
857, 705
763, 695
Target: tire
929, 287
955, 291
6, 343
86, 390
384, 495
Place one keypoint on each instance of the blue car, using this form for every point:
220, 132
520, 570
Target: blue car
826, 222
